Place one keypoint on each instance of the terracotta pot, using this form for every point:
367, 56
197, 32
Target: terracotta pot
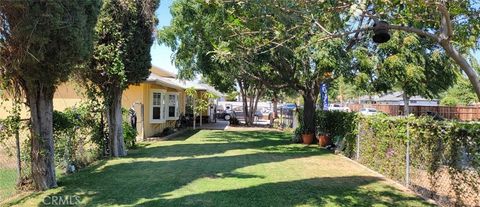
323, 140
307, 138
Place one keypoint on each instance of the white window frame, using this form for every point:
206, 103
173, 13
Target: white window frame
177, 110
162, 106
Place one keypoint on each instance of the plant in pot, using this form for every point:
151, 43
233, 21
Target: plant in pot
307, 136
323, 138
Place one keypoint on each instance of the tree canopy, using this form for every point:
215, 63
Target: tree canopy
42, 42
121, 56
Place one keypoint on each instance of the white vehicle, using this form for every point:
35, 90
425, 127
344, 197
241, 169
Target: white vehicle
368, 111
338, 107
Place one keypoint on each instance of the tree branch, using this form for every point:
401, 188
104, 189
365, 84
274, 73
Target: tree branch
445, 22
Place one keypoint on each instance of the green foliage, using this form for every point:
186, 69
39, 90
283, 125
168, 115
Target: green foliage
123, 40
425, 15
336, 123
461, 93
129, 134
406, 62
434, 147
342, 90
297, 134
232, 96
8, 128
41, 43
44, 41
202, 99
75, 134
272, 173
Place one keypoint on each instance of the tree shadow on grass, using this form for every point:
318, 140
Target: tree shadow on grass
148, 182
127, 183
338, 191
219, 142
183, 135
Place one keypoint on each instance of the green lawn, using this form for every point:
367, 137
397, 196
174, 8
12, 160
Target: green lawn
226, 168
7, 183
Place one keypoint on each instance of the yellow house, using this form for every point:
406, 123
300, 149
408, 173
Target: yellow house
158, 102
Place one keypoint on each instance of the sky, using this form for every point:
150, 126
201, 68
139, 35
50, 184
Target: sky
161, 54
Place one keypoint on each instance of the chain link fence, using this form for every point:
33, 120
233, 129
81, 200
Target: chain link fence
443, 169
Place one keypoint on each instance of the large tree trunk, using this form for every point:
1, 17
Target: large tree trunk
309, 112
40, 100
114, 118
406, 104
254, 98
246, 111
243, 93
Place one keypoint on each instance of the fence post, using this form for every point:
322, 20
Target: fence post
407, 158
19, 160
358, 141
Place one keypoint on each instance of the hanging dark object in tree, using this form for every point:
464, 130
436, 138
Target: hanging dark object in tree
380, 30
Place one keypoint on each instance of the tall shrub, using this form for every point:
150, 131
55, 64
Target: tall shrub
41, 43
121, 57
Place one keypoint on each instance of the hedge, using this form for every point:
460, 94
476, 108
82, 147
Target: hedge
444, 155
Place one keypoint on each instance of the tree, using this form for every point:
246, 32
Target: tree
276, 95
342, 90
286, 35
408, 63
121, 57
201, 102
196, 36
453, 25
416, 67
462, 92
268, 43
41, 44
459, 94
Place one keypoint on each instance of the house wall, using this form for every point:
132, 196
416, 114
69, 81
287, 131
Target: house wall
152, 129
136, 96
65, 97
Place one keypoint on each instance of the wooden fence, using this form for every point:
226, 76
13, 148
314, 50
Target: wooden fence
462, 113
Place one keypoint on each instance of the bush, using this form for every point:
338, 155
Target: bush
446, 149
129, 135
337, 124
437, 148
74, 132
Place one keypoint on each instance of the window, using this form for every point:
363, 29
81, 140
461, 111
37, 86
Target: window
164, 106
172, 106
157, 104
157, 114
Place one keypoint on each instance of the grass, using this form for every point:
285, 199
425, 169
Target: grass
227, 168
7, 183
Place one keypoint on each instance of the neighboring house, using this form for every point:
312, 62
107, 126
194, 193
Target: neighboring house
396, 98
158, 102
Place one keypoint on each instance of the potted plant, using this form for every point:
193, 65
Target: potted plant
307, 136
323, 138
